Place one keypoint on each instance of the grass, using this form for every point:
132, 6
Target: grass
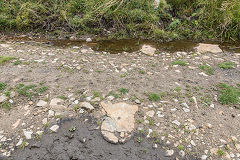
5, 105
123, 91
180, 63
62, 97
228, 94
180, 147
142, 72
2, 86
72, 129
226, 65
5, 59
30, 91
17, 62
220, 152
153, 97
207, 69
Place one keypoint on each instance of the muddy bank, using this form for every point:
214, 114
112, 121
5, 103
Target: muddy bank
86, 142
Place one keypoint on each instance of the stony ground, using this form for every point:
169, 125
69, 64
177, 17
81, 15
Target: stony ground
179, 110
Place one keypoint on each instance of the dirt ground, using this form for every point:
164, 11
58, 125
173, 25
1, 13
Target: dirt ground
173, 122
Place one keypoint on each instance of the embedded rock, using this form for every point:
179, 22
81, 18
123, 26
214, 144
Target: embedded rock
208, 48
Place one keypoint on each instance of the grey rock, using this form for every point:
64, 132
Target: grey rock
41, 103
86, 106
169, 153
54, 128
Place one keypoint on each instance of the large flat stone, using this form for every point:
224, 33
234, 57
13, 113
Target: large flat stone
208, 48
120, 120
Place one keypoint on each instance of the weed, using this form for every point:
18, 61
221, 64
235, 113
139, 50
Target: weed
151, 121
228, 94
180, 63
220, 152
17, 62
99, 123
180, 147
142, 131
2, 86
46, 125
72, 129
62, 97
154, 134
96, 94
123, 75
23, 145
4, 59
178, 89
43, 89
153, 97
139, 139
226, 65
6, 105
207, 69
75, 108
123, 91
142, 72
139, 121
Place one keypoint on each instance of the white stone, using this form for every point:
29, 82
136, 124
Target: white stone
204, 157
150, 113
41, 103
208, 48
19, 142
27, 134
169, 153
50, 113
110, 98
3, 98
88, 40
148, 50
186, 110
176, 122
54, 128
44, 121
86, 105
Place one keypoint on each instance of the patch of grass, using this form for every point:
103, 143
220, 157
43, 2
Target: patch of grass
207, 69
180, 147
151, 121
96, 94
153, 97
75, 108
115, 95
178, 89
26, 90
228, 94
23, 145
4, 59
180, 63
123, 75
220, 152
123, 91
62, 97
42, 89
226, 65
5, 105
139, 139
17, 62
142, 72
2, 86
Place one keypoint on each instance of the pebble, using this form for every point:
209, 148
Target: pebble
150, 113
50, 113
137, 101
86, 105
182, 153
186, 110
204, 157
176, 122
41, 103
27, 134
54, 128
88, 40
169, 153
110, 98
3, 98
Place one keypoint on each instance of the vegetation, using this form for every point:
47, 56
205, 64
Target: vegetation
207, 69
4, 59
153, 97
180, 63
172, 19
226, 65
228, 94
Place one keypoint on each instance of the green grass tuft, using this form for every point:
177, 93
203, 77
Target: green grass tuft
226, 65
228, 94
123, 91
2, 86
180, 63
153, 97
207, 69
4, 59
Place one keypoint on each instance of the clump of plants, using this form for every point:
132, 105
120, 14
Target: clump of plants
207, 69
228, 94
226, 65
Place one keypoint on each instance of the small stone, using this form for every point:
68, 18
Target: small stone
44, 121
56, 102
234, 139
182, 153
169, 153
155, 146
86, 105
88, 40
204, 157
159, 114
50, 113
185, 105
203, 74
237, 145
150, 113
208, 48
19, 142
186, 110
193, 143
54, 128
41, 103
15, 125
137, 101
3, 98
27, 134
212, 105
209, 125
176, 122
110, 98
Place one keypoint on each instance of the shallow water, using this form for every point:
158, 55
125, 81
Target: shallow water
129, 45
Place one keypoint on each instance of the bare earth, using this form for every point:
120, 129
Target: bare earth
177, 124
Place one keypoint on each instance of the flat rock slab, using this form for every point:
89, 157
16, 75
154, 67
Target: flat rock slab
208, 48
148, 50
119, 124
